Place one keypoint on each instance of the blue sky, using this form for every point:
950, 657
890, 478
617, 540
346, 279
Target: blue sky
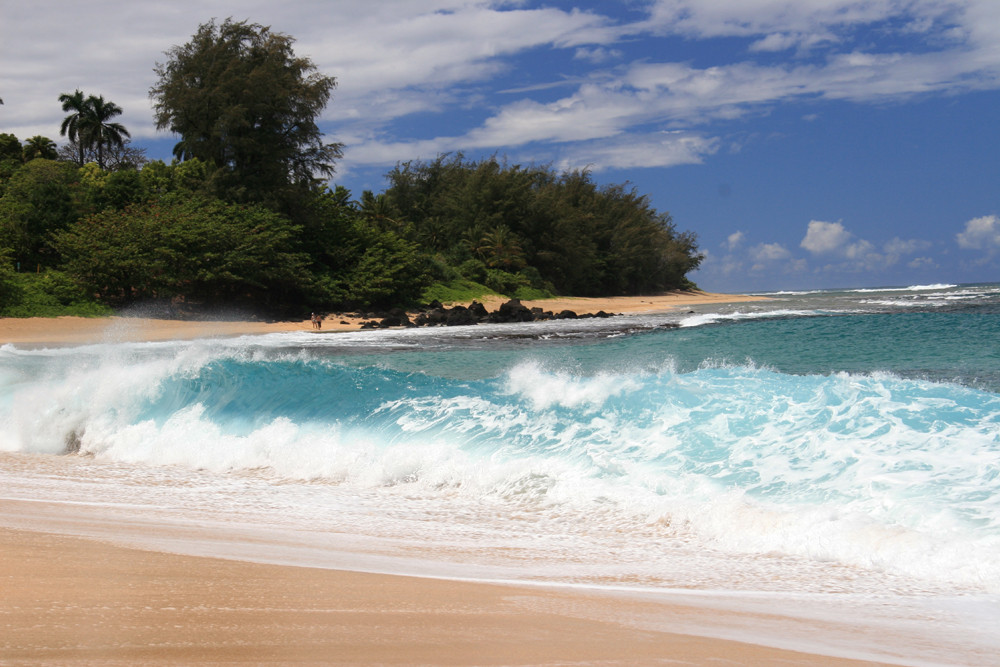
808, 143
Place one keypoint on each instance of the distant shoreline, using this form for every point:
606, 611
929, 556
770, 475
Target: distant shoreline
86, 330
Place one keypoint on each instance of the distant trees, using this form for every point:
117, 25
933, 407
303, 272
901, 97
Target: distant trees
115, 158
246, 105
244, 217
39, 147
508, 225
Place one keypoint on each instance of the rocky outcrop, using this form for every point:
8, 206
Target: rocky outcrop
435, 314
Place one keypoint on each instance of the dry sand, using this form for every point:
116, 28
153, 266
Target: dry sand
71, 600
82, 330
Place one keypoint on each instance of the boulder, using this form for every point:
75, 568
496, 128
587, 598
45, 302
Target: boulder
511, 311
396, 317
478, 310
460, 316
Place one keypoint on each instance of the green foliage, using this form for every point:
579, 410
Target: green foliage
246, 105
39, 147
504, 282
10, 289
40, 199
212, 253
10, 147
114, 189
532, 294
357, 262
512, 227
47, 294
10, 158
455, 291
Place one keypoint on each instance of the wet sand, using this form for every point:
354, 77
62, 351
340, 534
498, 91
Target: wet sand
74, 601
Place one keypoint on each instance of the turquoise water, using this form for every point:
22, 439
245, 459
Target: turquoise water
858, 429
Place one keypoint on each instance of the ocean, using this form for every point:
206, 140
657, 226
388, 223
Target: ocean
833, 453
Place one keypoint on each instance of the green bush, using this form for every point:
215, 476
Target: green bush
532, 294
505, 282
456, 291
49, 294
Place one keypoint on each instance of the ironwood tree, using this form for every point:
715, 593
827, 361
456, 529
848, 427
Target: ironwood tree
244, 103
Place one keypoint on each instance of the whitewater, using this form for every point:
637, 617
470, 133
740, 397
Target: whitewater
834, 453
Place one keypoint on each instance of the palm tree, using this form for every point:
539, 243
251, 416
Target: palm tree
39, 146
99, 132
73, 124
500, 248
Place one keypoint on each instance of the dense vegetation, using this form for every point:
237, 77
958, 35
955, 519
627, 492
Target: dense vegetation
243, 219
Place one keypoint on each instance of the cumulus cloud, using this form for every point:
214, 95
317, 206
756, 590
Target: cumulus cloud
734, 240
774, 258
980, 234
846, 252
899, 247
826, 238
769, 252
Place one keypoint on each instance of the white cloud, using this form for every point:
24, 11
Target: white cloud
665, 149
748, 18
390, 57
769, 252
980, 234
898, 247
826, 238
597, 55
922, 264
396, 59
774, 258
734, 240
851, 254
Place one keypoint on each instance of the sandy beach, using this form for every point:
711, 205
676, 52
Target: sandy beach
74, 601
83, 588
83, 330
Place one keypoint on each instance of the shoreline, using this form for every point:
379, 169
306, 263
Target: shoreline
84, 586
69, 330
72, 599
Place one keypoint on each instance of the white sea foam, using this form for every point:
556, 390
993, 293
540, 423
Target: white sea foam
911, 288
725, 475
703, 319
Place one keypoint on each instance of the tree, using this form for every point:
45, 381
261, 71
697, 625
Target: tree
98, 130
244, 103
125, 156
89, 124
76, 104
10, 158
509, 225
41, 198
39, 146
